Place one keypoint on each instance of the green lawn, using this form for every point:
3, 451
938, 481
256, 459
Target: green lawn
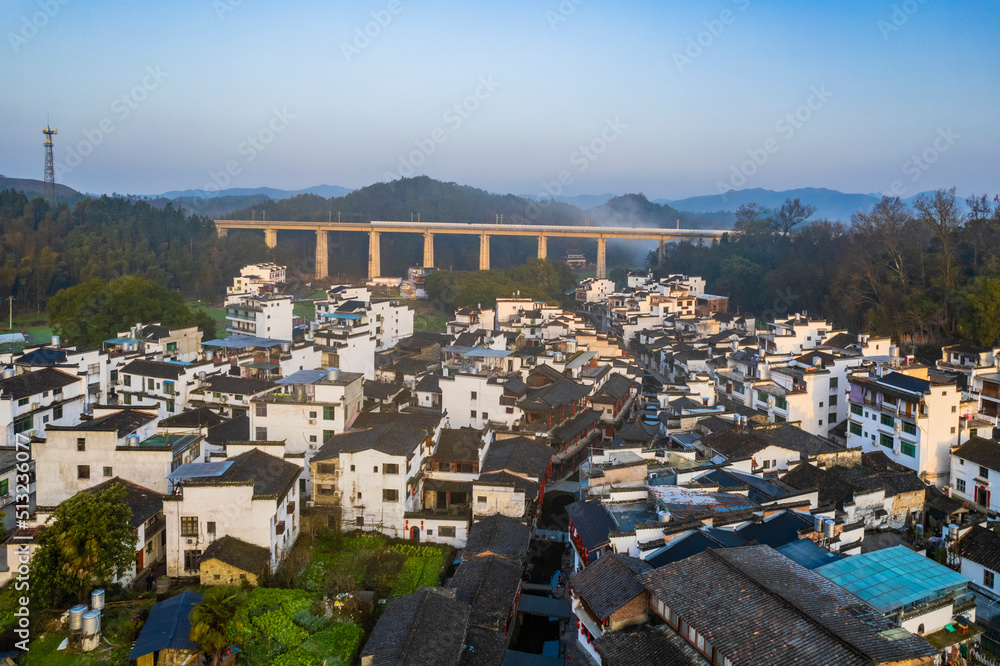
218, 315
430, 323
304, 309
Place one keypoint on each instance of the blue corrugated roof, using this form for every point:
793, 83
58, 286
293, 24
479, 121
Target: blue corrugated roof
906, 382
808, 554
682, 549
777, 531
168, 626
303, 377
43, 356
244, 341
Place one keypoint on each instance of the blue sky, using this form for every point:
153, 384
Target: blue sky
672, 99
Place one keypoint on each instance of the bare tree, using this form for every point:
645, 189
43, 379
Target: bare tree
793, 212
942, 217
882, 232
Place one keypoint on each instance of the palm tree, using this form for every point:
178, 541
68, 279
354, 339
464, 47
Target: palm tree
210, 618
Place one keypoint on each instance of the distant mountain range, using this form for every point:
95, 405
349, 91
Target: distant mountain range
325, 191
830, 204
701, 211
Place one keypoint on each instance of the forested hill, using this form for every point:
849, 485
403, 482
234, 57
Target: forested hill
45, 249
437, 201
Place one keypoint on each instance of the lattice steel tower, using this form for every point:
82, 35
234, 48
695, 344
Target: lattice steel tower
49, 188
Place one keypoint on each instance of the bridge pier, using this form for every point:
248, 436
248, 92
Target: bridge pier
602, 268
661, 252
223, 232
428, 250
543, 246
484, 252
271, 237
374, 255
322, 258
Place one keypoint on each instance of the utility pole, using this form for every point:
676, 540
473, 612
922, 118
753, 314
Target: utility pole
10, 315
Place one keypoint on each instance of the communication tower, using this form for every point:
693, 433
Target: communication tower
49, 188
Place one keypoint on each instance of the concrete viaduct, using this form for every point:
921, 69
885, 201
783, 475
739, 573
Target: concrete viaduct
484, 231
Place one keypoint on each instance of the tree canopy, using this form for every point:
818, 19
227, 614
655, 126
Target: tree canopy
210, 619
539, 279
96, 310
88, 542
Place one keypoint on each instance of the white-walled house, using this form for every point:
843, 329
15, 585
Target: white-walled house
165, 384
115, 443
264, 315
31, 401
909, 418
307, 408
980, 551
975, 467
253, 497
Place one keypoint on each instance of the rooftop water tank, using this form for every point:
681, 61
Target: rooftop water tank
55, 341
333, 374
920, 529
818, 523
97, 599
76, 617
132, 440
828, 528
91, 622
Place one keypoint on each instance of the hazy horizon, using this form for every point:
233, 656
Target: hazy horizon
661, 98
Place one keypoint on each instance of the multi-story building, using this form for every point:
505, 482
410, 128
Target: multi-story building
594, 290
265, 315
306, 409
177, 344
253, 497
31, 401
385, 319
975, 467
165, 384
912, 419
256, 279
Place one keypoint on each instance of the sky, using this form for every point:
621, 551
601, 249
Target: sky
671, 99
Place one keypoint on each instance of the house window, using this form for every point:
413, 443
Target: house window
24, 425
108, 472
57, 413
984, 472
312, 415
888, 420
472, 413
83, 471
81, 443
189, 526
446, 531
486, 417
761, 396
885, 440
260, 434
855, 428
360, 521
834, 381
22, 402
150, 384
329, 412
953, 430
312, 438
390, 468
856, 409
908, 449
128, 380
833, 401
481, 499
114, 376
352, 468
326, 468
987, 579
359, 495
128, 398
191, 559
170, 405
954, 409
168, 388
960, 485
390, 495
210, 527
909, 428
473, 397
260, 409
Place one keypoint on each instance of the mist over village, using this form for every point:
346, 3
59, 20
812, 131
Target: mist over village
530, 334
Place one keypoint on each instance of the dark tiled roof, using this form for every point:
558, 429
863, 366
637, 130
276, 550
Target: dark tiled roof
381, 390
740, 446
609, 583
270, 476
426, 628
683, 548
658, 645
154, 332
122, 422
520, 455
840, 483
985, 452
499, 535
576, 425
757, 606
982, 546
489, 584
425, 421
154, 369
639, 431
236, 429
777, 530
592, 521
32, 383
614, 389
42, 356
238, 553
905, 382
143, 502
394, 439
458, 444
506, 479
428, 384
194, 418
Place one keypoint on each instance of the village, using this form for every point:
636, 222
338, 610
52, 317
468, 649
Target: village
637, 475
